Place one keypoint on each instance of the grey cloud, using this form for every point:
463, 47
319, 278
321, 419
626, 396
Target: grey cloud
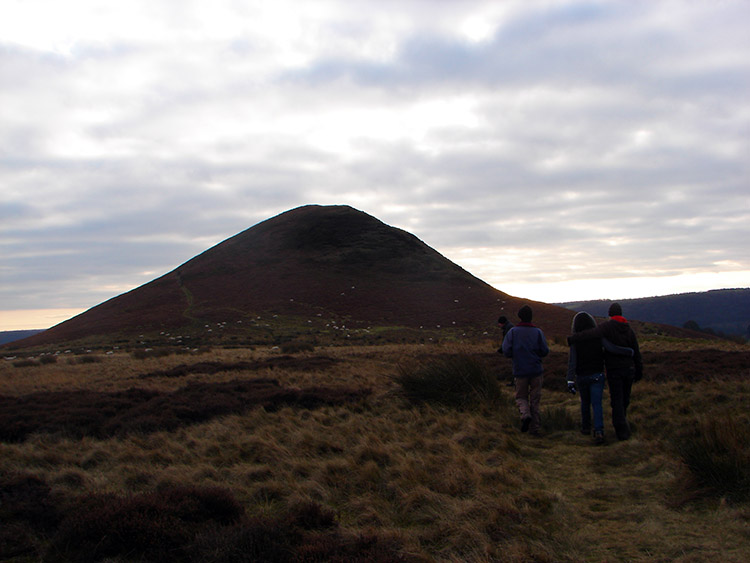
590, 120
534, 48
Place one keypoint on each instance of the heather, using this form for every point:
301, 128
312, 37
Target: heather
365, 453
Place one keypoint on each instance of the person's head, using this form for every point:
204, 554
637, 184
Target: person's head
582, 321
615, 310
502, 320
525, 313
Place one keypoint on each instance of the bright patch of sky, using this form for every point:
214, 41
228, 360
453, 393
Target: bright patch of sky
557, 150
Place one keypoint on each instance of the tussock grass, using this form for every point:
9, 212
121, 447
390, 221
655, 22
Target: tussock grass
716, 460
559, 419
377, 478
455, 380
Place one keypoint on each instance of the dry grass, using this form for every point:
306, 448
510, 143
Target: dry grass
424, 481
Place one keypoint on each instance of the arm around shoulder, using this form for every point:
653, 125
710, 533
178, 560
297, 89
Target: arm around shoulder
595, 332
617, 350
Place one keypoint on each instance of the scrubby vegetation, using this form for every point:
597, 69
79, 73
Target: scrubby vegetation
716, 458
378, 453
80, 414
454, 380
174, 523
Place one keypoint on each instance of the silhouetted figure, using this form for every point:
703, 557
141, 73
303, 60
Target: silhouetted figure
505, 325
586, 373
526, 346
622, 370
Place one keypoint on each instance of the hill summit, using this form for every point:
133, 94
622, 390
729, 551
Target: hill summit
312, 261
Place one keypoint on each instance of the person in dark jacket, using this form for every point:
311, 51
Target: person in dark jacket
505, 325
526, 346
586, 373
622, 370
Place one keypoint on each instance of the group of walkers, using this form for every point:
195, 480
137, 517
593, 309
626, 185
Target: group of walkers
609, 348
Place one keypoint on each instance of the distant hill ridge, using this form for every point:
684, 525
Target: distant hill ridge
725, 311
312, 261
13, 335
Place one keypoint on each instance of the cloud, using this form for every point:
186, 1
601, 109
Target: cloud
535, 142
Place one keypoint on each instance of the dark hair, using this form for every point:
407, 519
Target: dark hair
583, 321
615, 310
502, 320
525, 314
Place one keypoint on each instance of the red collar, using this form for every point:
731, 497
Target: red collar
526, 324
619, 319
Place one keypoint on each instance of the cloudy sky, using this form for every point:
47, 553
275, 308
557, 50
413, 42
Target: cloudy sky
557, 150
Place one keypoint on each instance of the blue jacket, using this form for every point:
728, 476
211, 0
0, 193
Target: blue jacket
526, 345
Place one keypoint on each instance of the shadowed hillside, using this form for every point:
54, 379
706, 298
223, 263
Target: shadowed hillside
725, 311
310, 262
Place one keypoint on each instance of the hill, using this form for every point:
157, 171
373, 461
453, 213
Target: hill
13, 335
723, 311
313, 265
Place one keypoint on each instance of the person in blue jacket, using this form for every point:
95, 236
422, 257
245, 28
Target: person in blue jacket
526, 345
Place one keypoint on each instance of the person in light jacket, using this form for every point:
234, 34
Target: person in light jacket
526, 345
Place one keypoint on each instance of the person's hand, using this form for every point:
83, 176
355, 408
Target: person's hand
572, 387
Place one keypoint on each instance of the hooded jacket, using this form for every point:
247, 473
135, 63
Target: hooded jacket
619, 332
587, 356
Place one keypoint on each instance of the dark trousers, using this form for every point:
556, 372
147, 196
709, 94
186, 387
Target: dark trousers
620, 384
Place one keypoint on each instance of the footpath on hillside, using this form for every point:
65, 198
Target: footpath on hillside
617, 499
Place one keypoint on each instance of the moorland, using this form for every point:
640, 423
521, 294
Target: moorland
322, 452
324, 387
